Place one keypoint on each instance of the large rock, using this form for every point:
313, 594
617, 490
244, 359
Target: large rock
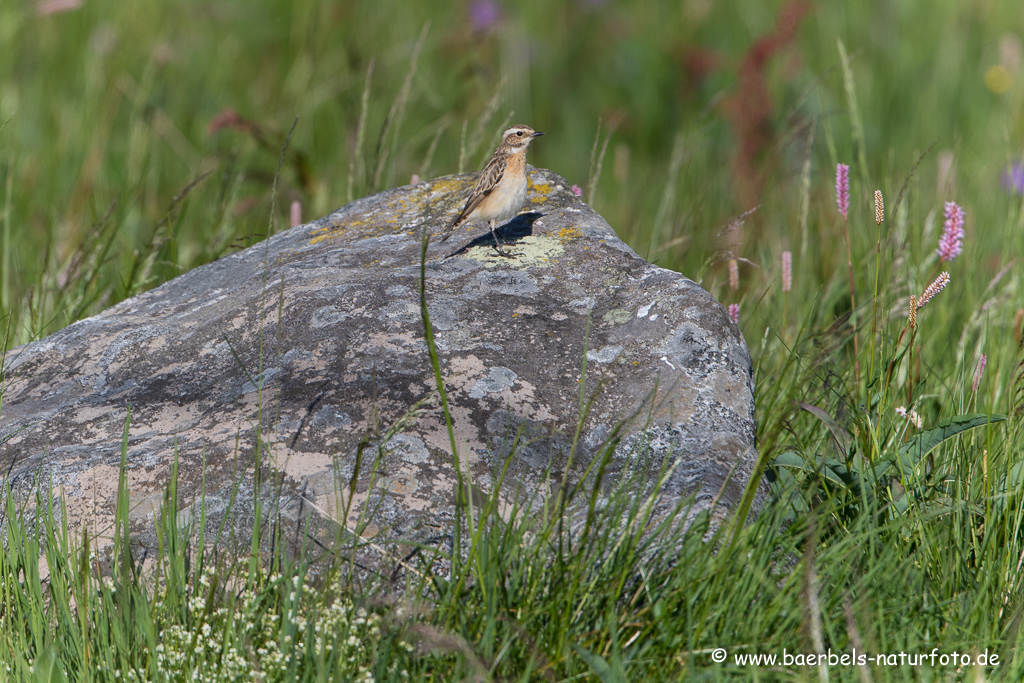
313, 342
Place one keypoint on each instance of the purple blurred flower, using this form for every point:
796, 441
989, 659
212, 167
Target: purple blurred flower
734, 313
484, 14
1013, 178
576, 190
952, 241
843, 189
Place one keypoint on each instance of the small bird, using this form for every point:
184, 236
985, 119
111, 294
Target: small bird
500, 191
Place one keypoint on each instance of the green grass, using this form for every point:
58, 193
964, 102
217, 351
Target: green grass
112, 182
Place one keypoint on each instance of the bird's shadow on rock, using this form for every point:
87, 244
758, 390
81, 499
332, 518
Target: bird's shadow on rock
509, 233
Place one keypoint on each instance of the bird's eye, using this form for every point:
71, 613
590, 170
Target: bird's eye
519, 133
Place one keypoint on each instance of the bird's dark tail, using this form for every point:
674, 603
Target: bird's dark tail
448, 233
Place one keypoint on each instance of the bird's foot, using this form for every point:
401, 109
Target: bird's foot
502, 252
498, 243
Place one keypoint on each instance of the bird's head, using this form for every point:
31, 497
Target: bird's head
519, 137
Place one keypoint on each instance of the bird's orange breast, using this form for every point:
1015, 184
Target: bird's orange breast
509, 195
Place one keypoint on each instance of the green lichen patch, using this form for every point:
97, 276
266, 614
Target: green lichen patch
532, 251
618, 316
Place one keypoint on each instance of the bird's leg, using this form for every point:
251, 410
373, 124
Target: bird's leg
497, 242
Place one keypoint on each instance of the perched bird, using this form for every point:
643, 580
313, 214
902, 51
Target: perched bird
500, 191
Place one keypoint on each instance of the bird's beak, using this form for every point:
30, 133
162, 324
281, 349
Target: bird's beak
536, 133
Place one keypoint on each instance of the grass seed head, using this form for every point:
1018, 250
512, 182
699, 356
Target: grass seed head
979, 370
934, 288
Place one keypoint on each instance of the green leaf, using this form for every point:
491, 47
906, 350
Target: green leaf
922, 444
834, 476
47, 668
841, 436
599, 666
784, 490
832, 470
1015, 476
790, 459
837, 465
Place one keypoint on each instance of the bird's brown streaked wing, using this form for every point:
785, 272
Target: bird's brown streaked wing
485, 184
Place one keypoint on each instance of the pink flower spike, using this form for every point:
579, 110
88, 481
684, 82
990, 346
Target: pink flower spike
576, 190
734, 313
952, 241
787, 271
843, 189
978, 372
47, 7
296, 213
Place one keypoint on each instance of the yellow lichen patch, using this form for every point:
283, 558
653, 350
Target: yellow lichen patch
569, 233
449, 184
468, 226
540, 191
370, 226
400, 209
336, 230
321, 234
413, 201
530, 251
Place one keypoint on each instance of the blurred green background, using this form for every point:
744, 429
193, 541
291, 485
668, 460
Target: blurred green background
140, 139
674, 117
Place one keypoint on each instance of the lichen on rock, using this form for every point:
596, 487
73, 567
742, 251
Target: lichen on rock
308, 353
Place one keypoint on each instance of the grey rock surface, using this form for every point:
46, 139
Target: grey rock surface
312, 346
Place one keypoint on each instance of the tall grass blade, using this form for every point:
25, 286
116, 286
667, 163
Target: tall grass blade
856, 122
355, 164
393, 120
